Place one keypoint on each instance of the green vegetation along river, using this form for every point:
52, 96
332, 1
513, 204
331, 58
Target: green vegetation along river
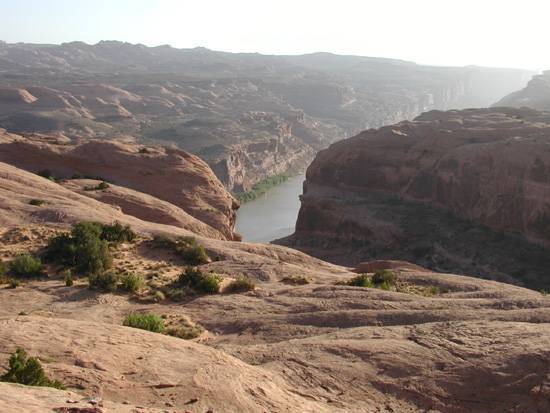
272, 215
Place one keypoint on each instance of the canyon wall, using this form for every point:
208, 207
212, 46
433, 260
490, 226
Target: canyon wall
248, 116
411, 188
535, 95
169, 186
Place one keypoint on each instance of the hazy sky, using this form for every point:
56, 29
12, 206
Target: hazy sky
500, 33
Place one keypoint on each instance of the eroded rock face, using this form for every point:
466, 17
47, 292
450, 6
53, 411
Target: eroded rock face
248, 116
489, 166
535, 95
166, 174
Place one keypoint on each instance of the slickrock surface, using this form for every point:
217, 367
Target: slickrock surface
445, 343
169, 174
412, 191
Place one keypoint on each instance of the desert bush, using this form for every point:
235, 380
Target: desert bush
46, 173
3, 268
150, 322
191, 251
187, 332
92, 257
178, 294
198, 281
87, 246
382, 276
117, 233
384, 286
69, 279
25, 265
187, 248
76, 175
27, 371
210, 284
241, 284
144, 150
36, 202
131, 281
14, 283
297, 279
432, 290
102, 185
360, 281
107, 281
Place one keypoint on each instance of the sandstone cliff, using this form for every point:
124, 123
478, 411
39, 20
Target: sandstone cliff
535, 95
451, 343
169, 185
488, 166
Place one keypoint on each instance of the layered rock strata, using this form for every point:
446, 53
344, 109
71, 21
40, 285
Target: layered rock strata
488, 166
163, 185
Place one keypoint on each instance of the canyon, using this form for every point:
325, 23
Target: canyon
303, 339
248, 116
459, 191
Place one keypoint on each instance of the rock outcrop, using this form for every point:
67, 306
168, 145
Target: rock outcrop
169, 186
535, 95
488, 166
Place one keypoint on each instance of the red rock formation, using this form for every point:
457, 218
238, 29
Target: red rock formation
489, 165
459, 191
169, 174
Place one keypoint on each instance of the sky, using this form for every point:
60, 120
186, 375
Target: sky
491, 33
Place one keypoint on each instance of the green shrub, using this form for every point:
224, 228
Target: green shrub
382, 276
92, 257
69, 279
26, 266
210, 284
117, 233
149, 322
3, 268
102, 185
131, 282
46, 173
432, 290
144, 150
543, 292
36, 202
107, 281
260, 188
191, 251
195, 279
14, 283
27, 371
360, 281
76, 175
384, 286
87, 246
187, 248
241, 284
